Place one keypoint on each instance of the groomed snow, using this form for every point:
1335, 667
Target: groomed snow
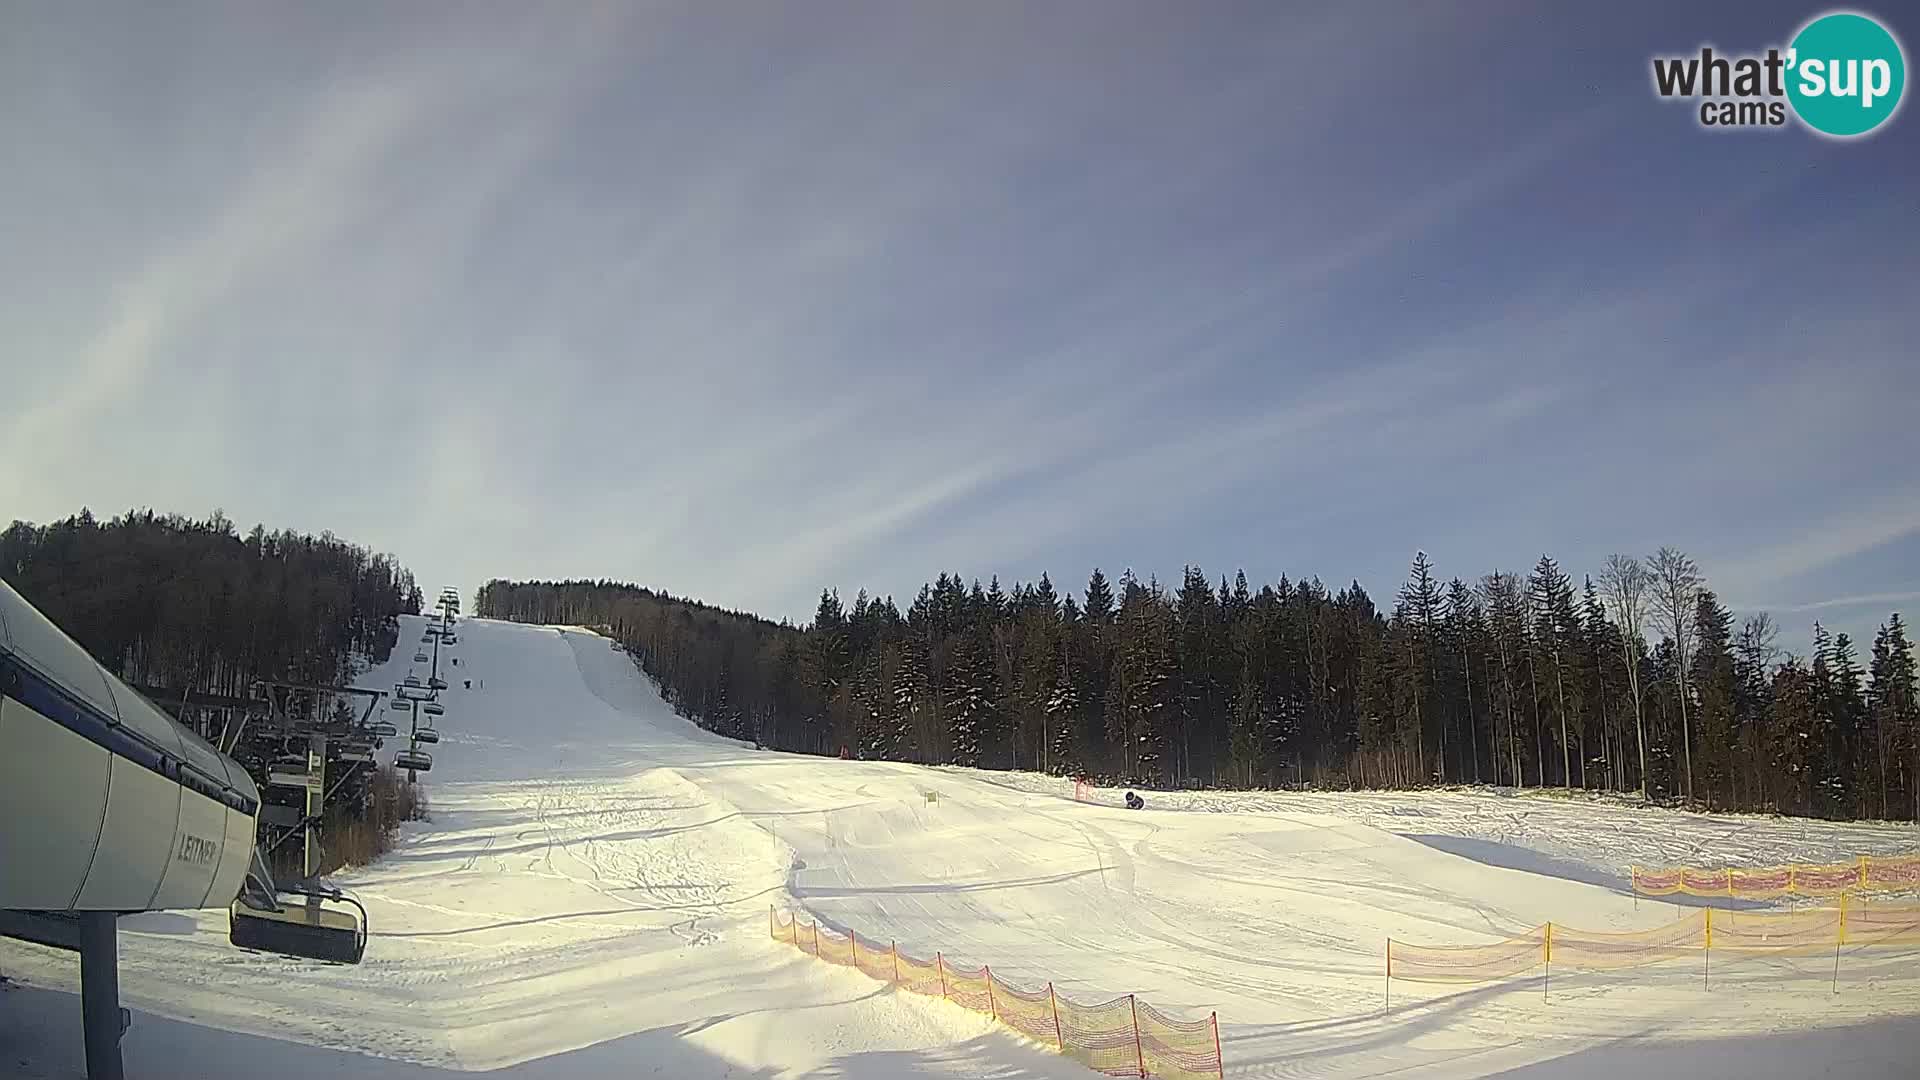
591, 897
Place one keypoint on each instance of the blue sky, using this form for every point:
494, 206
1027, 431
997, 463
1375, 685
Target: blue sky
747, 299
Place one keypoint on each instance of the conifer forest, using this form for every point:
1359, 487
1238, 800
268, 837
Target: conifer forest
187, 604
1633, 678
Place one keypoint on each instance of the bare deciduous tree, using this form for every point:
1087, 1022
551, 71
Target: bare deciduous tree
1624, 586
1676, 590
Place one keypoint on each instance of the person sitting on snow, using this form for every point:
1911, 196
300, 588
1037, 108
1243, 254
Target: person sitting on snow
1135, 802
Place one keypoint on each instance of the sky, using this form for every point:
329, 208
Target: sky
747, 299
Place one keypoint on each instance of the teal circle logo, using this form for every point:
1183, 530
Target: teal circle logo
1845, 74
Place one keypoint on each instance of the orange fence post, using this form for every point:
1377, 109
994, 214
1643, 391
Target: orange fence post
941, 965
816, 937
1055, 1004
1863, 871
992, 1009
1139, 1056
855, 938
896, 963
1219, 1061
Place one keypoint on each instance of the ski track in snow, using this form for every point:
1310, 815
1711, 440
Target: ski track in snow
591, 894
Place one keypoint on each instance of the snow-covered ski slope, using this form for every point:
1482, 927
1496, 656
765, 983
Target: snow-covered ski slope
591, 898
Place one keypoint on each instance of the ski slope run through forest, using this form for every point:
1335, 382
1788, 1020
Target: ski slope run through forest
591, 895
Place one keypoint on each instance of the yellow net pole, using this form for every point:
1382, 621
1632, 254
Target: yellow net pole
896, 963
1547, 957
1054, 1003
993, 1010
1706, 971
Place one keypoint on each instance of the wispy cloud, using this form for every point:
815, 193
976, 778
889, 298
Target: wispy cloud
748, 302
1865, 600
1818, 545
303, 189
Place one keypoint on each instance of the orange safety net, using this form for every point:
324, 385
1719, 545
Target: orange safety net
1469, 963
1765, 881
1774, 933
1866, 874
1029, 1012
1592, 950
1122, 1037
921, 976
873, 958
1177, 1048
1781, 933
971, 989
1886, 875
1656, 882
1826, 880
1880, 924
1104, 1037
832, 948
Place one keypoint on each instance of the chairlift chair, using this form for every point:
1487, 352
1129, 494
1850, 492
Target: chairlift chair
419, 658
436, 684
426, 735
434, 708
414, 760
411, 680
383, 730
258, 920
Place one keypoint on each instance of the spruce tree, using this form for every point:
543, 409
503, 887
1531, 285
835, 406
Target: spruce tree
1420, 603
1846, 790
1551, 597
1890, 701
1713, 679
1098, 607
1464, 633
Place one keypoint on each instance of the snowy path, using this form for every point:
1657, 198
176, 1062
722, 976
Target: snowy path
591, 898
